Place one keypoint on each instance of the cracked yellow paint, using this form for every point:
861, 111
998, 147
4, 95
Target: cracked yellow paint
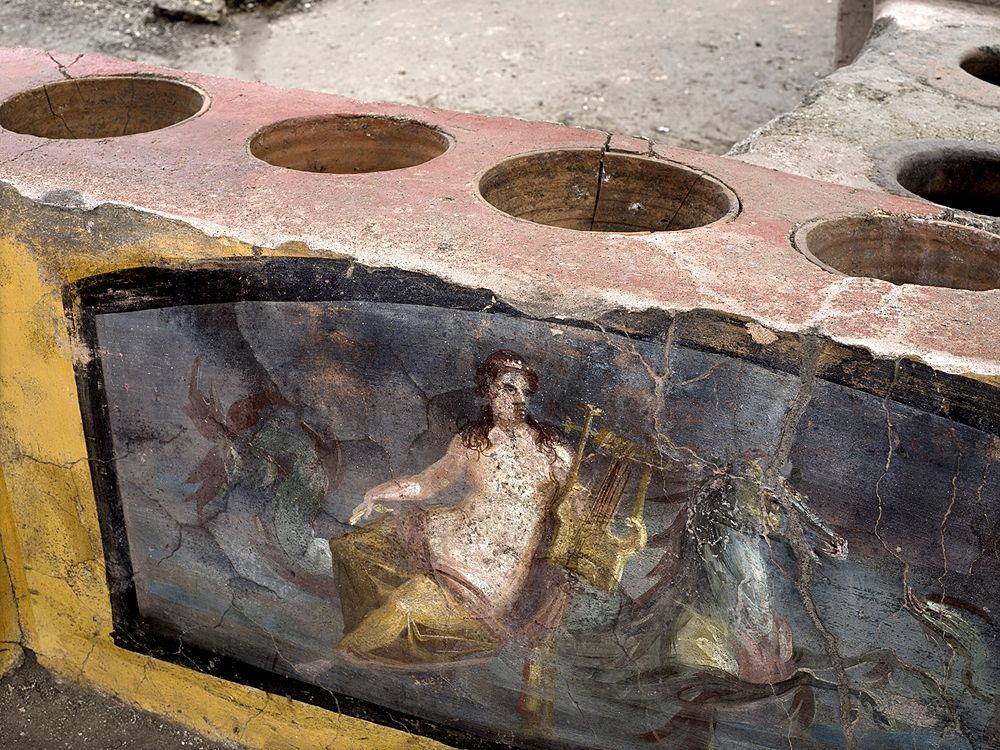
10, 627
55, 599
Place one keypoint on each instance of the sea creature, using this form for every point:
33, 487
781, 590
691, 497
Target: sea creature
267, 459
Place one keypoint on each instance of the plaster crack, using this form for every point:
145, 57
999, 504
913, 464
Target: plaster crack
944, 521
63, 465
986, 542
661, 381
811, 350
241, 731
574, 701
694, 181
796, 535
64, 69
18, 615
600, 181
28, 151
176, 546
890, 452
705, 375
86, 659
52, 109
131, 103
145, 673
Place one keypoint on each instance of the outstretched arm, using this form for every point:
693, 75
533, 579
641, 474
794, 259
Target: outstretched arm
426, 484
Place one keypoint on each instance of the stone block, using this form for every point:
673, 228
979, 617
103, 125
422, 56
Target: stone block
914, 115
329, 423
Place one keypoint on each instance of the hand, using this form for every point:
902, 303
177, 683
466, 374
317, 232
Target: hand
388, 491
835, 548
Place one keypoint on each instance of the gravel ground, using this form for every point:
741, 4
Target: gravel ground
39, 713
694, 73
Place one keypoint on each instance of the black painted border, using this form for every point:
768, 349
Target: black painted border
905, 381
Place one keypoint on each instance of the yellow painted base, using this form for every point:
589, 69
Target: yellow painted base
11, 653
11, 656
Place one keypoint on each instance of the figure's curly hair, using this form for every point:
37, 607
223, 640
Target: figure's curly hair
477, 434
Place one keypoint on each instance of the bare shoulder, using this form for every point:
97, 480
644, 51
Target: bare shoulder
459, 445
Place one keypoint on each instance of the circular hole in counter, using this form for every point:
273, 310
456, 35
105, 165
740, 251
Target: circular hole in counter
101, 107
596, 191
903, 250
984, 64
348, 144
965, 177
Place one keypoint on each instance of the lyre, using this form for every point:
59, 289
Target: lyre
584, 542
